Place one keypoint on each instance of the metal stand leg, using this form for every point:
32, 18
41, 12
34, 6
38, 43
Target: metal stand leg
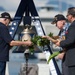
26, 54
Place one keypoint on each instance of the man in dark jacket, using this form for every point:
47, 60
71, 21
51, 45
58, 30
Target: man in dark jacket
69, 42
6, 41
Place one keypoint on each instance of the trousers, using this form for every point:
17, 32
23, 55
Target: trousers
65, 70
2, 67
71, 70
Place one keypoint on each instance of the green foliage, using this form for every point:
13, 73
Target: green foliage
43, 42
35, 39
50, 34
52, 56
39, 41
31, 49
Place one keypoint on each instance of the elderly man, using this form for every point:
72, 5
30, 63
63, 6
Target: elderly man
6, 41
60, 22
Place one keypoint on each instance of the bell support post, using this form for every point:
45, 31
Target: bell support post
23, 7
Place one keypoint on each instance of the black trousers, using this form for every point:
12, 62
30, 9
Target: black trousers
2, 68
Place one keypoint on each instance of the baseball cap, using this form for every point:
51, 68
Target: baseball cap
6, 15
58, 18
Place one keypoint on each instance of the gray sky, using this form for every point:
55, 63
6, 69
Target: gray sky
13, 4
9, 4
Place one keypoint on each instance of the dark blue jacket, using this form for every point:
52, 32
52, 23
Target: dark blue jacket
69, 44
5, 39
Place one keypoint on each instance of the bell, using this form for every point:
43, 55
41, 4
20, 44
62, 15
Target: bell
27, 33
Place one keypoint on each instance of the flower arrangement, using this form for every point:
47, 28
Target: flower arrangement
39, 41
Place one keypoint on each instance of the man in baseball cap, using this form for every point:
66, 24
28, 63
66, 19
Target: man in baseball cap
60, 22
6, 41
6, 15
